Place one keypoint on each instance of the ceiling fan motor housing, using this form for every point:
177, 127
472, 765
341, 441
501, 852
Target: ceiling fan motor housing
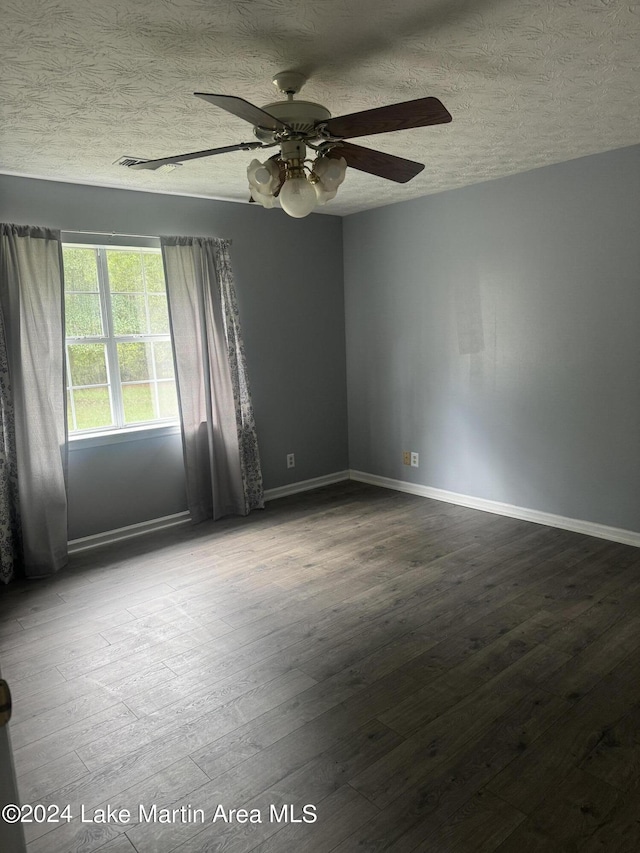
301, 116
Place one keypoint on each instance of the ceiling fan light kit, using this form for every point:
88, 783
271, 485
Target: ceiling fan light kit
297, 184
289, 179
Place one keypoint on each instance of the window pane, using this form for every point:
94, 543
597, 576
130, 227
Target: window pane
135, 361
80, 269
164, 359
154, 272
138, 403
88, 364
93, 407
129, 314
82, 315
158, 314
70, 424
144, 368
125, 271
167, 400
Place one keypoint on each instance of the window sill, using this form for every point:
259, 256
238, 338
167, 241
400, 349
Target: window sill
117, 436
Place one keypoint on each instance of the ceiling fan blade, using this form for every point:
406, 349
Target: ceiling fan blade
194, 155
376, 162
419, 113
243, 109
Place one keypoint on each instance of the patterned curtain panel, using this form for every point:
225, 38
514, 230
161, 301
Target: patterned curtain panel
10, 547
222, 462
31, 298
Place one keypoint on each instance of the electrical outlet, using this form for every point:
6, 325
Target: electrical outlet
415, 459
406, 457
291, 460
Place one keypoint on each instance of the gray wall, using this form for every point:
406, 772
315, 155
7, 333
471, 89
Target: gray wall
496, 331
116, 485
290, 292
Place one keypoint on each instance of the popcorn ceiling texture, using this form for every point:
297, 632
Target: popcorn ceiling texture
528, 82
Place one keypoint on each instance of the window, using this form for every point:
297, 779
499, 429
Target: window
119, 355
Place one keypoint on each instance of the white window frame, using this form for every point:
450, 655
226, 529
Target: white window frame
119, 430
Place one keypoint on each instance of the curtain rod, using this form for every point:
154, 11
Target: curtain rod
109, 234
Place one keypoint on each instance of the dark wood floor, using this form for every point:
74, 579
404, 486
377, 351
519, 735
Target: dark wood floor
431, 678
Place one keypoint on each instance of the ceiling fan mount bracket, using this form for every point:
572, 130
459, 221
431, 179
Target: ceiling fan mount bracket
289, 82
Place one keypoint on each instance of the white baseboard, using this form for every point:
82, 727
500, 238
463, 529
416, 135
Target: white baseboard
305, 485
589, 528
97, 539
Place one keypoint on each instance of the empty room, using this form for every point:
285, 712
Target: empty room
320, 481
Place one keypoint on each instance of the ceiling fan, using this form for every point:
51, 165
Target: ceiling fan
288, 178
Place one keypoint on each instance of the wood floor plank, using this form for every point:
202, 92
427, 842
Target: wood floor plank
325, 773
430, 805
162, 788
23, 688
569, 815
475, 672
182, 727
337, 817
511, 735
427, 750
34, 755
524, 783
56, 719
208, 686
87, 661
10, 628
112, 680
619, 832
248, 740
480, 825
89, 609
59, 656
118, 845
34, 641
616, 756
596, 659
35, 785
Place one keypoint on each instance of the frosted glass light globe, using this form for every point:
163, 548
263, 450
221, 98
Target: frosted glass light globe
264, 180
262, 176
298, 197
331, 171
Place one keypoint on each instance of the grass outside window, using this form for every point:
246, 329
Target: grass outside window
119, 357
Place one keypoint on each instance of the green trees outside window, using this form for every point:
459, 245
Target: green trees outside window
119, 356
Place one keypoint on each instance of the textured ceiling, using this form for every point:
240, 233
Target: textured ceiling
528, 82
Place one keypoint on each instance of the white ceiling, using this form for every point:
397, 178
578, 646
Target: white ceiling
528, 82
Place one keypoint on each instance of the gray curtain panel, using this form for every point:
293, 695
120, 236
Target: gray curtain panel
32, 301
222, 462
10, 540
